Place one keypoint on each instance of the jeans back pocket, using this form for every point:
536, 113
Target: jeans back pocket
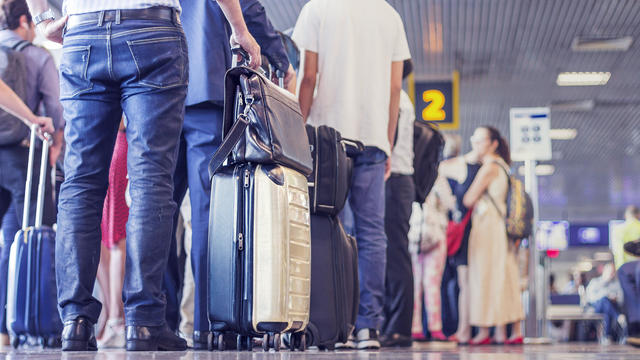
159, 61
73, 71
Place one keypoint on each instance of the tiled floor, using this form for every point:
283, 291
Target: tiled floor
418, 352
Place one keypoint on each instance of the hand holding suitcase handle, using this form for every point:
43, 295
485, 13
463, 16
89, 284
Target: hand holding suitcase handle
42, 181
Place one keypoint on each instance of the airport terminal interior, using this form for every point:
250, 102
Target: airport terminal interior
560, 81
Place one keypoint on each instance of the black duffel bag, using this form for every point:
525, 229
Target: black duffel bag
262, 123
331, 177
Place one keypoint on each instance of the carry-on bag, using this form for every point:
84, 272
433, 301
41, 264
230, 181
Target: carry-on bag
334, 283
32, 308
262, 122
259, 255
330, 179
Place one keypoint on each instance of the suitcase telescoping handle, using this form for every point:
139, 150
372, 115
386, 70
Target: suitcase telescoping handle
41, 182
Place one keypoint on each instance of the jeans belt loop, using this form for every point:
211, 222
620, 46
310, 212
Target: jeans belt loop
100, 18
174, 17
118, 17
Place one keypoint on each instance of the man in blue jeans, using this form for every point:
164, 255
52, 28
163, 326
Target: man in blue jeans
359, 59
121, 56
208, 35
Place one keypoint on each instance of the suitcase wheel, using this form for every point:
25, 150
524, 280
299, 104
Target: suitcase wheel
296, 341
271, 341
217, 341
54, 342
15, 342
244, 343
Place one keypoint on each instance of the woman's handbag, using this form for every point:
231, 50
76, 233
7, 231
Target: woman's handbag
455, 233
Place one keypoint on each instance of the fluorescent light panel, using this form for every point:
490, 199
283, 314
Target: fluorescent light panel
602, 44
563, 134
583, 78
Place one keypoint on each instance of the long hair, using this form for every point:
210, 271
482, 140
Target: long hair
503, 146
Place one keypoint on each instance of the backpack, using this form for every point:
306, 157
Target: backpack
519, 217
427, 153
13, 71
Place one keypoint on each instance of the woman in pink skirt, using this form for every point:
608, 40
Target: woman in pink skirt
112, 256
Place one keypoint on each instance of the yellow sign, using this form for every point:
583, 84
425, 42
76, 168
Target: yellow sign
437, 102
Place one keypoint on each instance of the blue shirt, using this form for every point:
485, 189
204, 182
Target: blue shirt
208, 33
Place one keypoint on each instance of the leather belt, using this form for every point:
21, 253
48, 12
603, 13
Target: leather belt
99, 17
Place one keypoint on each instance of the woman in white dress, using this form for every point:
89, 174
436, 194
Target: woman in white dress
494, 285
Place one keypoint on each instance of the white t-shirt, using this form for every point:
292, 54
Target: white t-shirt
356, 42
402, 155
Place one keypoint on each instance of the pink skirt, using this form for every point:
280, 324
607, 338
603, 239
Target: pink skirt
116, 212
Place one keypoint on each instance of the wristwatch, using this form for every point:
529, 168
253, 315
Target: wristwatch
47, 15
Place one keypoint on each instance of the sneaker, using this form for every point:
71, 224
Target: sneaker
367, 339
349, 345
113, 336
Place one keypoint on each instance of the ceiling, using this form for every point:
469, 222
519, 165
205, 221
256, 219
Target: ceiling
508, 53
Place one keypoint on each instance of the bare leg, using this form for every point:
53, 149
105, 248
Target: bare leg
103, 280
116, 279
464, 328
500, 334
516, 330
483, 333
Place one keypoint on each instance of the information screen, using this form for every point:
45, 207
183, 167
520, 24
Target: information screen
589, 235
552, 235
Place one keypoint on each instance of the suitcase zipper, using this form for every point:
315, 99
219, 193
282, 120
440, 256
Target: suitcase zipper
240, 242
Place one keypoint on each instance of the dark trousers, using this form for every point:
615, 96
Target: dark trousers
201, 136
398, 308
629, 277
13, 175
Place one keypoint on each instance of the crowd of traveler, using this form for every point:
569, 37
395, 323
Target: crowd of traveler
140, 98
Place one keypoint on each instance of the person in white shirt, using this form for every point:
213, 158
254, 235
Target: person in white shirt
121, 56
400, 194
354, 53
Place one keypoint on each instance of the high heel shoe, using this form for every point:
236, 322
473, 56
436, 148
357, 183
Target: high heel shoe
486, 341
438, 336
516, 341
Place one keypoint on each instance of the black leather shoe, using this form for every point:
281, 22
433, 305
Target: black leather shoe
153, 338
78, 335
201, 340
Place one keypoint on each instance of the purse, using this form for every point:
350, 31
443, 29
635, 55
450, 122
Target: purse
455, 233
262, 123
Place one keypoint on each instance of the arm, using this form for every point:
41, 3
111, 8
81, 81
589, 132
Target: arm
270, 41
241, 35
485, 176
308, 84
394, 99
48, 84
51, 29
10, 102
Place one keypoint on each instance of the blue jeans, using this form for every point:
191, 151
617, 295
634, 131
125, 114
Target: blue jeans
139, 67
607, 308
367, 205
629, 277
201, 137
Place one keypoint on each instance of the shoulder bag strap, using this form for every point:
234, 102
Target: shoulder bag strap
231, 140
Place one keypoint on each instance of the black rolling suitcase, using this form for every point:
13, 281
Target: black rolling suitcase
334, 286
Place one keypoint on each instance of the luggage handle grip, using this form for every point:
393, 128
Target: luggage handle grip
353, 147
239, 56
42, 179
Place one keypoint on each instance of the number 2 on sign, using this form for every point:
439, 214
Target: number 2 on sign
435, 102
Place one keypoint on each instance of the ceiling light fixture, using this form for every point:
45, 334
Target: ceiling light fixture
583, 78
563, 134
602, 43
